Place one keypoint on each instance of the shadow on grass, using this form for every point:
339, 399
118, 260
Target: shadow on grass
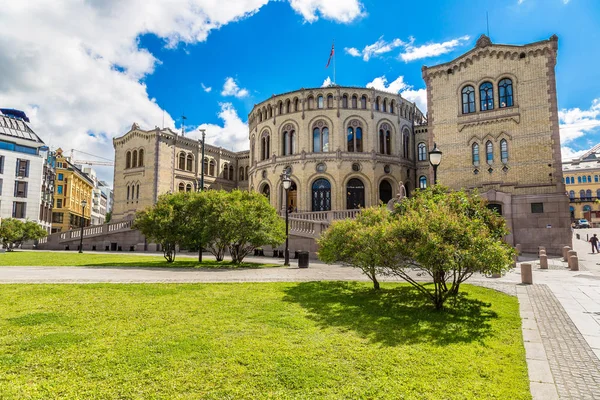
393, 316
179, 265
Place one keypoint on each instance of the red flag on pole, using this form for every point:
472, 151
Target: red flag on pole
330, 55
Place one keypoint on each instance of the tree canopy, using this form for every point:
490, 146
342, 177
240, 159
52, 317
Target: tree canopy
14, 232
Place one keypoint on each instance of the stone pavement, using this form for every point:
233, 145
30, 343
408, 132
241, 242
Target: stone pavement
560, 312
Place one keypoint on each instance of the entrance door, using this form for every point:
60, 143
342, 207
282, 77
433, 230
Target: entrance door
321, 195
292, 197
355, 194
385, 191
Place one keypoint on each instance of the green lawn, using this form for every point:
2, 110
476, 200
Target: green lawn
309, 340
74, 259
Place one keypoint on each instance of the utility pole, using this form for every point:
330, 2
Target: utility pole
202, 183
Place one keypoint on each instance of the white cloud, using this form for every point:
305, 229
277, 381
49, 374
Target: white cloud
412, 53
233, 135
207, 89
576, 123
569, 153
327, 82
353, 51
405, 90
231, 88
344, 11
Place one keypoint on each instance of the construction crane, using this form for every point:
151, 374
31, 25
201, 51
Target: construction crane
105, 161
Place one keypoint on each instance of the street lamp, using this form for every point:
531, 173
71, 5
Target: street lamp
435, 158
202, 167
83, 204
287, 183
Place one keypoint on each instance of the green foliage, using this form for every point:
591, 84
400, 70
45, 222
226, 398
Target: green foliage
237, 221
108, 217
14, 232
310, 340
447, 235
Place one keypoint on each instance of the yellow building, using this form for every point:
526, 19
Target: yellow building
72, 186
582, 182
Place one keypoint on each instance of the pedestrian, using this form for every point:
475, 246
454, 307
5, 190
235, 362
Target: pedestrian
594, 242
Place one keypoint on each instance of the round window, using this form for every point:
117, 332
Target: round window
387, 169
356, 167
321, 167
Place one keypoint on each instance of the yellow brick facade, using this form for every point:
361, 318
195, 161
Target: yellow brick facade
71, 187
582, 182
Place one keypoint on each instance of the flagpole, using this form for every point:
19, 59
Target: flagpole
334, 61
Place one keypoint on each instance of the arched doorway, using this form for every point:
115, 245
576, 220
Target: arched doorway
355, 194
385, 191
266, 191
292, 197
495, 207
321, 195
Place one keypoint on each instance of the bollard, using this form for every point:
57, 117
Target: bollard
571, 253
542, 252
544, 261
574, 263
515, 259
518, 248
541, 249
565, 251
526, 274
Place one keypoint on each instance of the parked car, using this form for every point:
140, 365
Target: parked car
582, 223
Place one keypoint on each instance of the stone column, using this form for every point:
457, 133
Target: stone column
526, 274
565, 253
573, 263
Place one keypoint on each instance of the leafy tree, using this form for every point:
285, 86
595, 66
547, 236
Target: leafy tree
165, 222
212, 212
32, 231
108, 217
14, 232
447, 235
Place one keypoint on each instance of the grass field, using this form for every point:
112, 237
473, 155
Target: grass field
74, 259
312, 340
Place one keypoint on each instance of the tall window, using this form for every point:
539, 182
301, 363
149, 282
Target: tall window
288, 106
486, 96
296, 104
377, 104
141, 158
311, 102
355, 136
504, 151
475, 154
384, 109
182, 160
489, 152
572, 194
589, 178
231, 173
588, 194
354, 101
241, 174
128, 159
579, 179
582, 194
393, 107
205, 165
280, 108
190, 162
134, 159
320, 101
468, 100
505, 91
289, 136
226, 172
584, 179
22, 168
385, 139
598, 193
181, 187
363, 102
422, 182
320, 137
137, 194
406, 144
345, 101
18, 209
265, 147
211, 168
329, 101
422, 152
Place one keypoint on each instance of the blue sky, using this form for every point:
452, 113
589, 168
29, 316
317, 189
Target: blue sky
85, 71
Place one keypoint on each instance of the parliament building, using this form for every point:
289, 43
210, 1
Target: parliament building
492, 112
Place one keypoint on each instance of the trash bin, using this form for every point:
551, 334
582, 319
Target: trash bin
303, 259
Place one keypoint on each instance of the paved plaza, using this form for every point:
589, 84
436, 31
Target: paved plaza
560, 312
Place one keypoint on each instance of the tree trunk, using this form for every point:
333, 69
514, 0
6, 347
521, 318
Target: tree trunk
375, 282
200, 254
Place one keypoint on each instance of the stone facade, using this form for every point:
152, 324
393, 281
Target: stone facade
154, 162
493, 113
582, 182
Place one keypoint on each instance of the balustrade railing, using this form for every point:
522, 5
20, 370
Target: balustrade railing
95, 230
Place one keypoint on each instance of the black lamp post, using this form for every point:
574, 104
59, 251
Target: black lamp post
83, 204
435, 158
202, 167
287, 183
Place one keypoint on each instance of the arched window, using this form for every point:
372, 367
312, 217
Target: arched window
128, 159
181, 187
266, 191
260, 117
468, 100
320, 101
354, 101
578, 179
385, 191
128, 192
345, 101
355, 194
226, 172
134, 159
393, 107
288, 106
211, 168
587, 208
241, 174
265, 146
595, 178
321, 195
141, 158
137, 195
269, 111
280, 108
486, 96
182, 160
354, 137
475, 154
489, 152
598, 193
377, 104
422, 152
231, 173
385, 108
188, 187
246, 173
584, 178
363, 102
505, 91
589, 178
296, 104
588, 194
190, 162
572, 194
288, 139
504, 151
406, 144
311, 102
320, 137
329, 101
205, 166
422, 182
385, 139
582, 194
